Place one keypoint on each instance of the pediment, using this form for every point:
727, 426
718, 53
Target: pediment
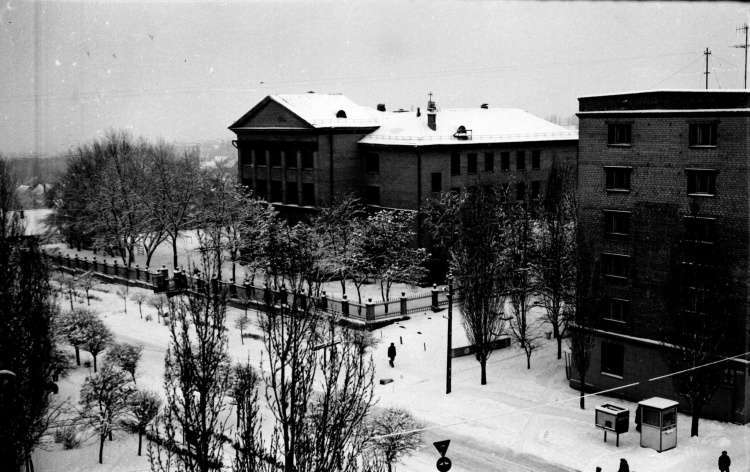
270, 114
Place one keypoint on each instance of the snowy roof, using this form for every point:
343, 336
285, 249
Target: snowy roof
321, 110
718, 91
481, 125
658, 403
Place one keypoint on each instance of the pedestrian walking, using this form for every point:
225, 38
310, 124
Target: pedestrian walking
624, 467
391, 354
724, 462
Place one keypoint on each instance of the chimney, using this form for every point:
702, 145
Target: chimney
419, 113
381, 106
431, 119
485, 106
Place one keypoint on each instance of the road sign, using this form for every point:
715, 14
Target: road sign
444, 464
442, 447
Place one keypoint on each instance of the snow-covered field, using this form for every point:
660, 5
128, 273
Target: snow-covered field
532, 421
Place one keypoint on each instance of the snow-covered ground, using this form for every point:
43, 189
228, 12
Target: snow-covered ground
532, 421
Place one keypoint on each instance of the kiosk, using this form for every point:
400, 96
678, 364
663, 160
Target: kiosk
658, 423
612, 418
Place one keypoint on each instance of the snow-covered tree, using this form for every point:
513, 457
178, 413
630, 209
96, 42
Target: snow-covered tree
125, 356
158, 302
242, 323
143, 407
104, 402
97, 337
140, 297
73, 325
87, 282
404, 440
251, 455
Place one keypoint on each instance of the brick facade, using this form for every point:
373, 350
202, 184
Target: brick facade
658, 163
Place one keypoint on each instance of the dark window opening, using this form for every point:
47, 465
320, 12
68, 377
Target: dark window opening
504, 161
307, 159
261, 190
291, 193
700, 230
521, 160
489, 162
341, 114
260, 157
703, 134
290, 156
520, 190
308, 194
455, 163
619, 134
616, 222
615, 265
701, 182
276, 191
372, 163
536, 159
613, 356
372, 195
275, 157
536, 189
618, 178
616, 309
437, 182
472, 163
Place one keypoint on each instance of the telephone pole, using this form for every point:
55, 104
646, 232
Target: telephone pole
743, 46
707, 53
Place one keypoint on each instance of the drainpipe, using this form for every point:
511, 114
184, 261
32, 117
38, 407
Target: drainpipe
330, 166
419, 198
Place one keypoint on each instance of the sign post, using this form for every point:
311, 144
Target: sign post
443, 464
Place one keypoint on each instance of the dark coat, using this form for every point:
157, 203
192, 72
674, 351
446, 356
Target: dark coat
391, 351
624, 467
724, 462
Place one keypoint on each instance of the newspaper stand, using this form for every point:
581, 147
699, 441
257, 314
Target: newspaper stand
658, 423
612, 418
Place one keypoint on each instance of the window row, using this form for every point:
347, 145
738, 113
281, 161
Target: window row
697, 229
489, 162
292, 158
535, 189
275, 192
699, 134
700, 182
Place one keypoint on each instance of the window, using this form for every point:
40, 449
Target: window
291, 193
616, 309
275, 190
618, 178
307, 159
372, 195
275, 157
615, 265
619, 134
703, 134
700, 230
290, 158
372, 163
504, 161
650, 416
437, 182
616, 222
701, 182
535, 189
260, 157
521, 160
308, 194
612, 359
455, 163
489, 162
520, 190
536, 159
260, 191
472, 163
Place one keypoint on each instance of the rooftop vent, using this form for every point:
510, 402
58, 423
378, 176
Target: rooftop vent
431, 121
381, 106
400, 110
341, 114
462, 133
419, 113
485, 106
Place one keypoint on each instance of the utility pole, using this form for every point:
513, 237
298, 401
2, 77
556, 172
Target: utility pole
743, 46
450, 334
707, 53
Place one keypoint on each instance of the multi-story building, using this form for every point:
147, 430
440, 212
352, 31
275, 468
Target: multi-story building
646, 161
299, 151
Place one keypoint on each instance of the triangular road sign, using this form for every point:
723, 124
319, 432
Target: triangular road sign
442, 446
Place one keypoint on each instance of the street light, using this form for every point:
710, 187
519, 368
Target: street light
450, 334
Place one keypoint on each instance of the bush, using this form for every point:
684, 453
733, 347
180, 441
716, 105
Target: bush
148, 317
87, 363
68, 436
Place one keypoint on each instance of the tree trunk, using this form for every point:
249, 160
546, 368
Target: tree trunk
78, 356
242, 338
528, 361
583, 400
694, 422
556, 333
174, 250
483, 363
70, 292
389, 467
140, 437
94, 362
102, 437
31, 464
110, 435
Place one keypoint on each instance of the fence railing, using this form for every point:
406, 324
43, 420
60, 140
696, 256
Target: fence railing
368, 312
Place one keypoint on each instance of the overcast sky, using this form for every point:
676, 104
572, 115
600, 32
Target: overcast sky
184, 71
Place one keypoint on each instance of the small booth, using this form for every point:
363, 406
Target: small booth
612, 418
658, 423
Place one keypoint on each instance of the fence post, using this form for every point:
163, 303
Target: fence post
232, 288
344, 306
369, 310
403, 303
67, 261
96, 268
435, 293
85, 263
323, 301
266, 294
114, 263
76, 261
137, 272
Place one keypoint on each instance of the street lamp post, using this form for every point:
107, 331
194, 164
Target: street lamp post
450, 333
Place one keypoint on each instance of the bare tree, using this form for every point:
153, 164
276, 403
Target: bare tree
394, 448
251, 454
143, 407
104, 401
87, 282
159, 302
10, 222
478, 270
140, 297
441, 223
698, 322
125, 356
68, 283
123, 293
242, 324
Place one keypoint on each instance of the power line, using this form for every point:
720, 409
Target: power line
690, 64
